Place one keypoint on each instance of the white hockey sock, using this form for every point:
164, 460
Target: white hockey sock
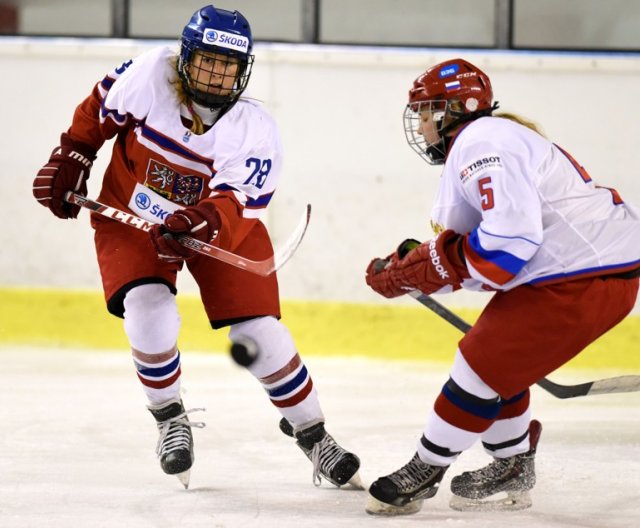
280, 370
160, 381
152, 322
508, 437
465, 405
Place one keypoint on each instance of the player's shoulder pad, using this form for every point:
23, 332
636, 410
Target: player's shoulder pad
140, 82
250, 115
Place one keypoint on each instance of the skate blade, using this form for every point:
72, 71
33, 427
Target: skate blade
375, 507
514, 501
184, 478
356, 482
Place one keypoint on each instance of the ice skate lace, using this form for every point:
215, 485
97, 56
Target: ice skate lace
325, 454
413, 474
493, 471
175, 433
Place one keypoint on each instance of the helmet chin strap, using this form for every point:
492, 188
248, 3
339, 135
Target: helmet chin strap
203, 99
198, 97
223, 103
438, 153
465, 118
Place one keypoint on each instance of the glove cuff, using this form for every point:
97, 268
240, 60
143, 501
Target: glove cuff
224, 239
86, 150
406, 246
452, 246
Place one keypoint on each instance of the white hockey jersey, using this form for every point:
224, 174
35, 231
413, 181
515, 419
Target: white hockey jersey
532, 214
158, 165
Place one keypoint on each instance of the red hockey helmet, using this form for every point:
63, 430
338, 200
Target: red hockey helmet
455, 91
454, 79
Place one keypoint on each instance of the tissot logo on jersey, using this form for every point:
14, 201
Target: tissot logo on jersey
489, 161
225, 40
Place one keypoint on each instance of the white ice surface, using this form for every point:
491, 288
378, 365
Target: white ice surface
77, 449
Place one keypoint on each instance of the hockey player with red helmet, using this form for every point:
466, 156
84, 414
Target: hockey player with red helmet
194, 155
514, 214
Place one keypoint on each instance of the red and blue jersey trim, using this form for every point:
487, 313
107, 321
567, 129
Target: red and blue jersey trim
252, 203
586, 273
170, 145
496, 265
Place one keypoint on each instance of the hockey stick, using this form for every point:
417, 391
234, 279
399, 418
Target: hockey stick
259, 267
630, 383
440, 310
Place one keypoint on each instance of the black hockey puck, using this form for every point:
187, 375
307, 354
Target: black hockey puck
244, 352
286, 427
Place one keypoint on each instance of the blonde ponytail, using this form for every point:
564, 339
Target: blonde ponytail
520, 120
197, 126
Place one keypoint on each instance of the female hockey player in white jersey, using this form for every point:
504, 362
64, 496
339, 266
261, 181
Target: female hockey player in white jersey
195, 156
517, 215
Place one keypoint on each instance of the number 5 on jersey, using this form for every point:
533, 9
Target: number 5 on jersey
486, 193
260, 172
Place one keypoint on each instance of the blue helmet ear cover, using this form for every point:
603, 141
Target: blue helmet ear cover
222, 32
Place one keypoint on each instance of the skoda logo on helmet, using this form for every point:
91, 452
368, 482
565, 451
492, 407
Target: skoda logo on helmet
223, 39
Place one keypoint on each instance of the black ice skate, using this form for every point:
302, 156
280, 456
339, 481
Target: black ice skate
175, 442
330, 461
514, 476
403, 491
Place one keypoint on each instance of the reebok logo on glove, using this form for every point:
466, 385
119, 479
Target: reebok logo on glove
427, 267
435, 260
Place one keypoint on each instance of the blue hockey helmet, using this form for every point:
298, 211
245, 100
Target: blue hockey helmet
225, 37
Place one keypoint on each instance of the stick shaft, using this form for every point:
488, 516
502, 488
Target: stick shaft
630, 383
259, 267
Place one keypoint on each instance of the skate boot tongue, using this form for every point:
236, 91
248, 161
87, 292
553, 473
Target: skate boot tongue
403, 491
330, 461
171, 409
307, 438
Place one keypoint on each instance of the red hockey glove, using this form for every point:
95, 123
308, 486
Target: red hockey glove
67, 170
436, 263
426, 267
380, 280
201, 222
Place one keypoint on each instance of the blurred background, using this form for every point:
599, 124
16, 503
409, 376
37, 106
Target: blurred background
335, 74
503, 24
